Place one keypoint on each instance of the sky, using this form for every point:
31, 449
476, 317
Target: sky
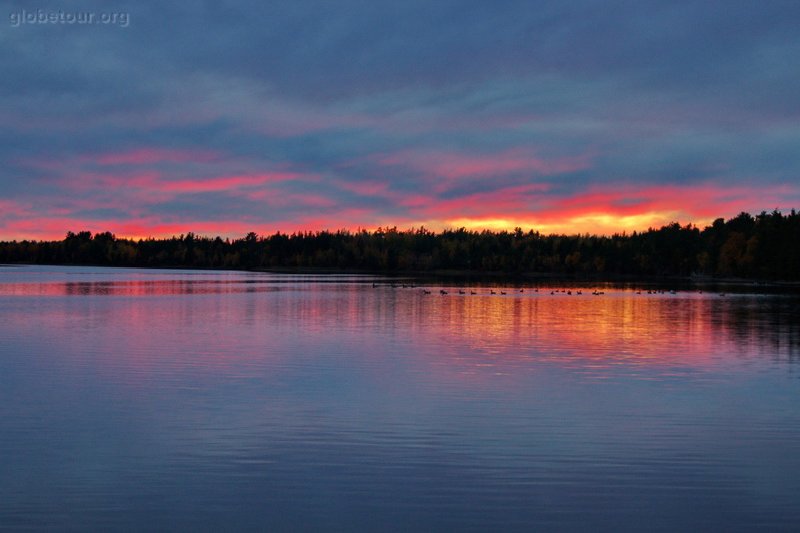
221, 118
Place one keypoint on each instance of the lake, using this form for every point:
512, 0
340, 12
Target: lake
174, 399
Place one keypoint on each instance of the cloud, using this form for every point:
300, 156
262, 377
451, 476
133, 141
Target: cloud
281, 115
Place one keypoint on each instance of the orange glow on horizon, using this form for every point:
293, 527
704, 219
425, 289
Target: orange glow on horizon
529, 207
595, 224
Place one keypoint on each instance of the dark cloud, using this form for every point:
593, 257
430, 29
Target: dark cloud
647, 93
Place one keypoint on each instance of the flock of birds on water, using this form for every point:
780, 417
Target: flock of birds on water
503, 292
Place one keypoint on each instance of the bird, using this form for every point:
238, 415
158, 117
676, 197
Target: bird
502, 292
473, 292
492, 292
442, 291
425, 291
461, 292
522, 290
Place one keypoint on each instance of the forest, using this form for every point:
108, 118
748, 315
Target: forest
765, 246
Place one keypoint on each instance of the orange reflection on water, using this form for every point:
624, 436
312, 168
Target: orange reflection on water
483, 335
206, 325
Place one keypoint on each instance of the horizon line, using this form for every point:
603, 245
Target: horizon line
168, 235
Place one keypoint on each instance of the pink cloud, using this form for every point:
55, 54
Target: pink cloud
223, 183
696, 201
603, 209
152, 186
11, 208
453, 165
55, 227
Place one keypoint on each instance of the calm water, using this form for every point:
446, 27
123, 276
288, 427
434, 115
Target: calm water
153, 399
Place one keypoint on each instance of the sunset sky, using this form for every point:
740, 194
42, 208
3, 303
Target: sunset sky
561, 116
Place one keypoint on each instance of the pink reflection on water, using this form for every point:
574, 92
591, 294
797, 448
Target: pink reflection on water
231, 326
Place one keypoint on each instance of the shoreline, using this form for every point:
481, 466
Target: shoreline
465, 275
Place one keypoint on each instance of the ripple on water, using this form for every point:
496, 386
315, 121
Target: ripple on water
174, 399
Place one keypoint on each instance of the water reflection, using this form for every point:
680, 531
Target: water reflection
164, 399
463, 334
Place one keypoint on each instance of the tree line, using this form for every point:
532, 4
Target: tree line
757, 247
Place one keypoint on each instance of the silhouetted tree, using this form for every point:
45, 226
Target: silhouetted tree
765, 246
